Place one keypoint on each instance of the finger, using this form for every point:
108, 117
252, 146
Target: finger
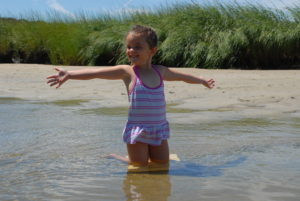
52, 76
59, 84
58, 69
211, 83
54, 83
52, 80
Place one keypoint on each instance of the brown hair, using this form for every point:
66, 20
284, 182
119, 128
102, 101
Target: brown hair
147, 32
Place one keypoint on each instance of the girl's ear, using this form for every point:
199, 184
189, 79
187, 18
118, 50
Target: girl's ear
154, 50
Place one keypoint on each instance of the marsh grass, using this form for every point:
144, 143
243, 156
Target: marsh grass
190, 35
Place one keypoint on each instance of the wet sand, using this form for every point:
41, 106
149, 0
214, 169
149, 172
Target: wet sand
242, 93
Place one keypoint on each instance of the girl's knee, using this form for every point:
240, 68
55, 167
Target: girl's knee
138, 154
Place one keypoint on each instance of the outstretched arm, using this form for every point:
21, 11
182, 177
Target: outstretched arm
173, 75
111, 73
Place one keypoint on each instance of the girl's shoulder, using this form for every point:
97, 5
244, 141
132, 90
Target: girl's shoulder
126, 68
162, 69
128, 71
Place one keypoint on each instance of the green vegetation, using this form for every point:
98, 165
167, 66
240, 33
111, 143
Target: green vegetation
190, 35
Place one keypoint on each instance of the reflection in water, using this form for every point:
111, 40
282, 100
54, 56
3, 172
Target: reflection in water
157, 186
147, 187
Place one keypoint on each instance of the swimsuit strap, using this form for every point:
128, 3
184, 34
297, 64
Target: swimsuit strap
137, 78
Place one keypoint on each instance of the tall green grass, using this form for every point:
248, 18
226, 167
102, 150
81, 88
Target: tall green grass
190, 35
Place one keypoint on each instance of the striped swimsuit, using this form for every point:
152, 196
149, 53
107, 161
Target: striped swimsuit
147, 121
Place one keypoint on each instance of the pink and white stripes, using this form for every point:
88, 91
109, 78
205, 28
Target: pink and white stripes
147, 121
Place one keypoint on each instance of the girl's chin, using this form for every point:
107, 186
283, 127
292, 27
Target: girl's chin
135, 63
134, 60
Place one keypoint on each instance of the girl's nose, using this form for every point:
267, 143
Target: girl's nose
131, 50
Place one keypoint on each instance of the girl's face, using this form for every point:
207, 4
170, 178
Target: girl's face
137, 49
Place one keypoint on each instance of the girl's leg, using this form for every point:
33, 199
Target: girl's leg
138, 153
118, 157
160, 154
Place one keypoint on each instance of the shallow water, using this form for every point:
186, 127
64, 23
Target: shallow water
56, 151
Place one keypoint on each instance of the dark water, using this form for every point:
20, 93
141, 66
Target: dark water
56, 151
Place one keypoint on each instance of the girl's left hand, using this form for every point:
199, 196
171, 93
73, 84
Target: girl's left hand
59, 78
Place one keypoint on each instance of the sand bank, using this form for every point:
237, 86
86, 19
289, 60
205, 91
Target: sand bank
238, 93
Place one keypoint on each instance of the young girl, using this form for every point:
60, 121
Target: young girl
147, 129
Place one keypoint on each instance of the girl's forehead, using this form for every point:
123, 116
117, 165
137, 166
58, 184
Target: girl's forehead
135, 37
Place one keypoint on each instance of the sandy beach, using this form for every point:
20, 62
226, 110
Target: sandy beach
243, 93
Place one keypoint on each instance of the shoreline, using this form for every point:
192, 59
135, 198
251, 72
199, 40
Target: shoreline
238, 93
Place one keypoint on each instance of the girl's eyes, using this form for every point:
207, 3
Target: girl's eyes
135, 47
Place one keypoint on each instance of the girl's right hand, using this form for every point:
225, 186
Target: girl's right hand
59, 78
209, 83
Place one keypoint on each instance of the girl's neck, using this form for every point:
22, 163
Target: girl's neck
146, 66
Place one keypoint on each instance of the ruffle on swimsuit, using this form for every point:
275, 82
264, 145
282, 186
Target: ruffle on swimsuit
152, 135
